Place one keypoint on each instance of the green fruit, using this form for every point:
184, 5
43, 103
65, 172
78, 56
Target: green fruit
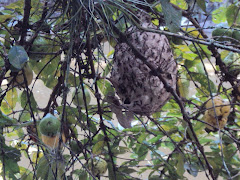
50, 169
78, 97
49, 125
40, 45
220, 34
236, 35
97, 166
74, 147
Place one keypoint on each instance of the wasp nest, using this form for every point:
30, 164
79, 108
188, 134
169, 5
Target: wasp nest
140, 91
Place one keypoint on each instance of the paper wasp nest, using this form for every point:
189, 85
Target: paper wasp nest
140, 91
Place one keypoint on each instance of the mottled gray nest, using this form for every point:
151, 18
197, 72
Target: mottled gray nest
140, 91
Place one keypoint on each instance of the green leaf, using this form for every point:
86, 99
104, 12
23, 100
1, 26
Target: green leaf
4, 18
26, 174
48, 65
50, 169
180, 164
219, 15
9, 158
12, 97
17, 57
5, 108
81, 174
191, 168
98, 147
172, 16
2, 62
24, 116
105, 86
233, 15
28, 100
5, 120
183, 87
202, 4
229, 151
203, 80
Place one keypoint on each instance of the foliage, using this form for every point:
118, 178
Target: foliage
63, 43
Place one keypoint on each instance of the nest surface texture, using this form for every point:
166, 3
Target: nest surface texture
139, 90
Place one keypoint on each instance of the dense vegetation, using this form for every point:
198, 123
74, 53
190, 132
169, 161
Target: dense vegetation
74, 134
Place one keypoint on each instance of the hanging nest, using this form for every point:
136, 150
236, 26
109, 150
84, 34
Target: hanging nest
140, 91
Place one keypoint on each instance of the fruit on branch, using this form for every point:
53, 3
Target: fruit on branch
97, 166
49, 125
217, 113
221, 34
78, 99
214, 121
139, 90
49, 128
19, 80
53, 141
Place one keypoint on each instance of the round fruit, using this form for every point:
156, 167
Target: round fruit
78, 97
220, 34
52, 142
214, 121
49, 125
74, 147
220, 107
19, 81
97, 166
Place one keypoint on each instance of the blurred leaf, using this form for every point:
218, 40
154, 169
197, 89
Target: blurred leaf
5, 108
180, 164
229, 151
193, 32
219, 15
233, 15
28, 101
6, 121
105, 86
183, 87
24, 116
7, 41
191, 168
4, 18
172, 16
26, 174
81, 174
17, 57
2, 62
49, 169
12, 97
202, 4
9, 157
98, 147
180, 3
48, 66
203, 80
120, 150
